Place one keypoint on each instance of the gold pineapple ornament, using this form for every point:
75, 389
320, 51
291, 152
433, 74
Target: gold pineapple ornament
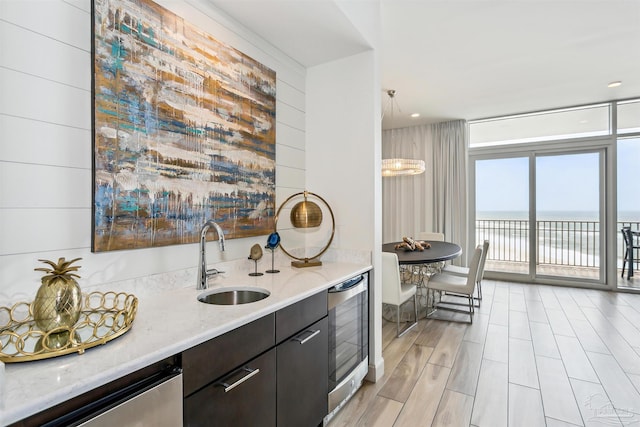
58, 302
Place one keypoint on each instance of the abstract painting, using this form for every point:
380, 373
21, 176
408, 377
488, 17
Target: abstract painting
183, 131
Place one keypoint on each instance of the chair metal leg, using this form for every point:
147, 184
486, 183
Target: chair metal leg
415, 321
462, 296
447, 306
431, 309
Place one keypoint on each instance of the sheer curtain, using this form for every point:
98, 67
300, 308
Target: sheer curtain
435, 200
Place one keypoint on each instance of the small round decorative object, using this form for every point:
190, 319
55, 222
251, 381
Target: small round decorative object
256, 252
273, 240
272, 243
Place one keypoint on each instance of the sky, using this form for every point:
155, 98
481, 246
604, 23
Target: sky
564, 182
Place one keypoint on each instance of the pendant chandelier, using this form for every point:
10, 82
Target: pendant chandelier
399, 166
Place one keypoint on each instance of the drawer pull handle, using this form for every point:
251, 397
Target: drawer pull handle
229, 387
302, 341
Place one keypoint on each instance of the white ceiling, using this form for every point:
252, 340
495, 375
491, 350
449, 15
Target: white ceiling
468, 59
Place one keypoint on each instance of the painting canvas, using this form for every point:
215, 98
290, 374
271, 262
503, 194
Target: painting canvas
184, 131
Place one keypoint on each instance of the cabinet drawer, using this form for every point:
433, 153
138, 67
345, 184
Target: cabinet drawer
249, 399
212, 359
295, 317
303, 377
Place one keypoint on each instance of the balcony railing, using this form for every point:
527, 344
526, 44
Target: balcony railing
560, 242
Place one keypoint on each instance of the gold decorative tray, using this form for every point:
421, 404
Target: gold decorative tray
104, 316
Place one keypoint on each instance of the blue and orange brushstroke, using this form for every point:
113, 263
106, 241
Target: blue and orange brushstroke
184, 131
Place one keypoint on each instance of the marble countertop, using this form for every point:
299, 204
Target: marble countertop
167, 322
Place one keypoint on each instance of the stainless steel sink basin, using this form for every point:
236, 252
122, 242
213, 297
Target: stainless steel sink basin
233, 296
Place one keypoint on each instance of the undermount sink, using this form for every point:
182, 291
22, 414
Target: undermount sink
233, 296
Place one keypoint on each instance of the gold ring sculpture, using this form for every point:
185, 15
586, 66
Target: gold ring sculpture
306, 214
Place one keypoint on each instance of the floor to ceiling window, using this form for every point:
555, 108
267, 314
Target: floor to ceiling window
544, 185
628, 160
628, 205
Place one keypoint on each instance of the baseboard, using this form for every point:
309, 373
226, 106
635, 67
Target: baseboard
376, 371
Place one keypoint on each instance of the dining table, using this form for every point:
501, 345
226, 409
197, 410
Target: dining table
437, 252
417, 266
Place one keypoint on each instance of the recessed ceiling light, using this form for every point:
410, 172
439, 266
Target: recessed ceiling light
615, 84
414, 115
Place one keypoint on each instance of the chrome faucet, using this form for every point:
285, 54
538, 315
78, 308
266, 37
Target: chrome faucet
203, 273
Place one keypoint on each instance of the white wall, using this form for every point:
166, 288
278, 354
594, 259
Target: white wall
45, 142
343, 162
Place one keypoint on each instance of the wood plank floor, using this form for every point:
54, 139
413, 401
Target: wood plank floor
534, 356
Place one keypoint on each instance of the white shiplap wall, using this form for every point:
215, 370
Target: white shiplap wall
45, 142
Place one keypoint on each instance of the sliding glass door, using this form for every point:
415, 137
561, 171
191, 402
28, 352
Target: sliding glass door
542, 214
568, 218
502, 212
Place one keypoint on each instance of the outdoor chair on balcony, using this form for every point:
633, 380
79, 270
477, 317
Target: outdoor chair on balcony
394, 292
456, 285
630, 246
464, 271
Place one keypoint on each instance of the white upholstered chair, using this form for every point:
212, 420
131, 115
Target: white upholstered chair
394, 292
464, 271
428, 235
429, 269
464, 286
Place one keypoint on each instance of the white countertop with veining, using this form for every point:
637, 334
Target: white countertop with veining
167, 322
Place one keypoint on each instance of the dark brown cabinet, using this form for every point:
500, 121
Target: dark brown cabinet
245, 397
272, 371
302, 377
212, 359
231, 379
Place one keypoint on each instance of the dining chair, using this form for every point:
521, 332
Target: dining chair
394, 291
456, 285
629, 246
429, 235
464, 271
430, 269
